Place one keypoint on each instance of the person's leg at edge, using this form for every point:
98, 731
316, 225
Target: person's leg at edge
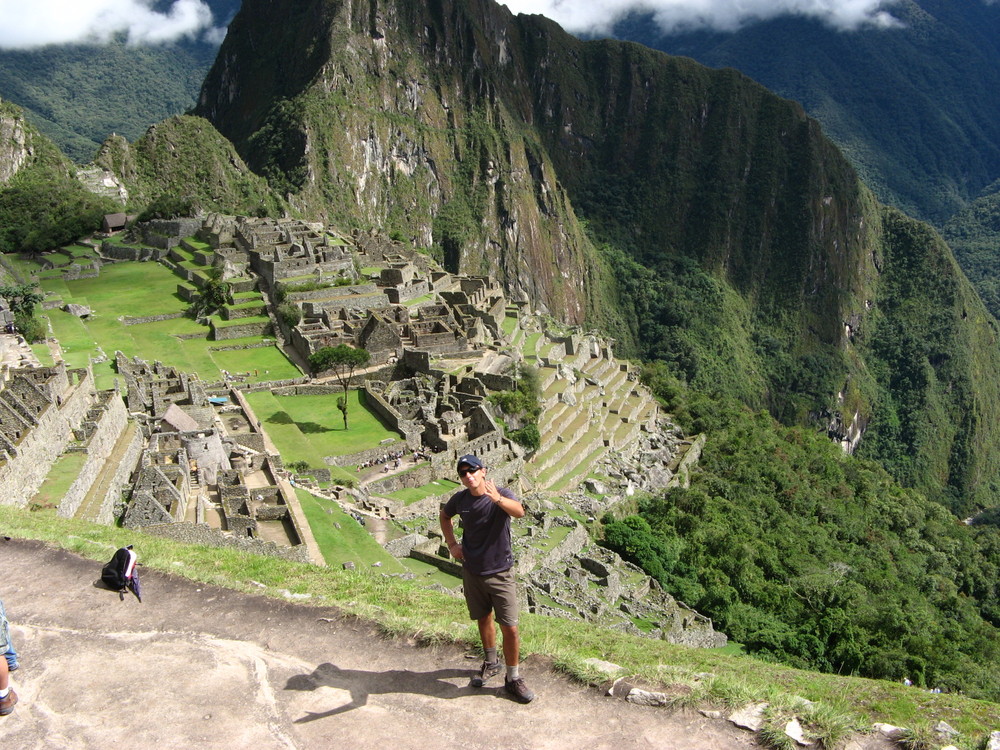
7, 695
10, 654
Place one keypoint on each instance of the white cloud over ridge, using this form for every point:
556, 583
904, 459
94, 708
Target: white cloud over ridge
599, 16
25, 24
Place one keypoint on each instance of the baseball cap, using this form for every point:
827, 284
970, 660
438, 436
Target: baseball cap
470, 461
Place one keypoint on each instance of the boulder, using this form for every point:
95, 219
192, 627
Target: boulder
80, 311
749, 717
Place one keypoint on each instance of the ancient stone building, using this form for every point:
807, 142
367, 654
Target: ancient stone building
39, 410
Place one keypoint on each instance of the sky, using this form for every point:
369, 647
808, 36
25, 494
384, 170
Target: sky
25, 24
598, 16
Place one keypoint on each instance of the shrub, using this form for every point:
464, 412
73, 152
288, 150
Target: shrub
289, 314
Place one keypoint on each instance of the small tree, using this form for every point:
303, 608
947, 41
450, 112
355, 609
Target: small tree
343, 360
212, 295
21, 299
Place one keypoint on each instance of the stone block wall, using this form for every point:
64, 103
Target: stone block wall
38, 449
24, 473
316, 307
130, 321
448, 566
496, 382
235, 313
371, 454
415, 477
199, 533
121, 478
109, 425
173, 229
138, 252
527, 559
221, 333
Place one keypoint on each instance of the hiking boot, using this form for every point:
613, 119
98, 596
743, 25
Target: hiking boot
486, 672
518, 690
7, 704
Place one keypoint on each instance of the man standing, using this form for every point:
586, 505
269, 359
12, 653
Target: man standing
487, 568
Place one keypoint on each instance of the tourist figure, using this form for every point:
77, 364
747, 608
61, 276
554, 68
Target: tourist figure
10, 654
487, 568
8, 698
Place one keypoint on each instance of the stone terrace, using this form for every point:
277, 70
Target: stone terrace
592, 404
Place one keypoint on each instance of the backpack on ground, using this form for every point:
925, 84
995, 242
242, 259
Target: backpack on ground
120, 574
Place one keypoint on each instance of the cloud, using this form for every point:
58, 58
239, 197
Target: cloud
33, 23
599, 16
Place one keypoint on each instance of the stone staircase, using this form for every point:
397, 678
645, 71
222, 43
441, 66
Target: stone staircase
95, 506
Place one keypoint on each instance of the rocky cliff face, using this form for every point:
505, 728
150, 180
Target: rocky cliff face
390, 115
460, 126
14, 143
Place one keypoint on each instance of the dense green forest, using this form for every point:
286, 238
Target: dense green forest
974, 234
912, 105
183, 166
815, 558
78, 95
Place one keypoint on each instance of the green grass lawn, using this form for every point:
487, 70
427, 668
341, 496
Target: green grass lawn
220, 322
342, 539
135, 289
531, 345
320, 422
268, 363
510, 325
43, 354
63, 473
192, 265
197, 244
291, 442
415, 494
141, 289
420, 300
429, 574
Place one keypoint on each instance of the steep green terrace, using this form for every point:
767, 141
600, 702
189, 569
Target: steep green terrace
125, 290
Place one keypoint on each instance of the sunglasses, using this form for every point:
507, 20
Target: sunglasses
465, 471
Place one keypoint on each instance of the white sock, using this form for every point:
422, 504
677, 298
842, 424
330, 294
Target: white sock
4, 692
512, 672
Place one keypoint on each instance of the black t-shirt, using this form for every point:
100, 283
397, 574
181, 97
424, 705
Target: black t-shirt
486, 537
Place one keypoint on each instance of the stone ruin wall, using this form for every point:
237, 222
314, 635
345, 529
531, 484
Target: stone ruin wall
121, 480
111, 419
23, 474
200, 533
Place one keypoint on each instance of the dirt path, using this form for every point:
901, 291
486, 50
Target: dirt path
199, 666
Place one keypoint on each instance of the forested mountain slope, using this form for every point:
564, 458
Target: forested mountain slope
79, 94
723, 233
912, 105
42, 204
